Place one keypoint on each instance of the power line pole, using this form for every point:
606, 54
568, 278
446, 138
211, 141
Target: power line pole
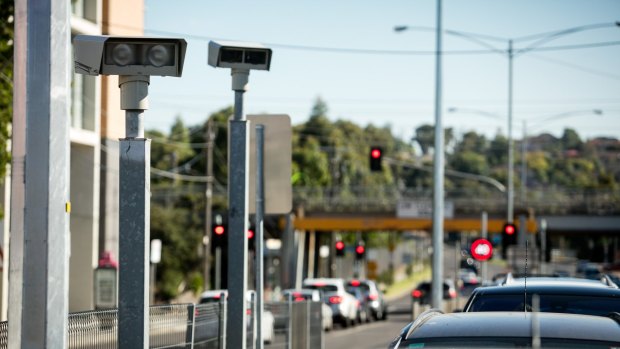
208, 204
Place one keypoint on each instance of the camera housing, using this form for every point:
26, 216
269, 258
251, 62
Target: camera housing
239, 55
128, 55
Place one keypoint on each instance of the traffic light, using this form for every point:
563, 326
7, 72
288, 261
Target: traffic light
251, 238
219, 235
360, 250
339, 248
509, 237
375, 156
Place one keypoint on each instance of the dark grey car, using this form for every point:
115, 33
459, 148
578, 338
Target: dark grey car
434, 329
557, 295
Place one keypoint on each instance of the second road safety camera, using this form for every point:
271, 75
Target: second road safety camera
239, 55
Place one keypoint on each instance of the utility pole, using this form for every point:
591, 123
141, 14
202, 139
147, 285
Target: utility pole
511, 156
208, 204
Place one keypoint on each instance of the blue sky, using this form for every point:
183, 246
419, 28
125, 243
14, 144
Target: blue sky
386, 88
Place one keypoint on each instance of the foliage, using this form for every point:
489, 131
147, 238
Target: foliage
6, 82
330, 170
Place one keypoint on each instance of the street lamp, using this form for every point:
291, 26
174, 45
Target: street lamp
535, 41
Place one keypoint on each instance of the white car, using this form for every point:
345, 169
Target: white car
267, 321
344, 305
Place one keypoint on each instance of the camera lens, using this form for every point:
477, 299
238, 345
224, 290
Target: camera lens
122, 54
159, 55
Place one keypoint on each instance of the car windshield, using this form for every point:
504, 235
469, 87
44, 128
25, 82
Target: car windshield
503, 342
550, 303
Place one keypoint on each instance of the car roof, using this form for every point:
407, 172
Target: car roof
516, 324
213, 293
326, 281
559, 287
305, 291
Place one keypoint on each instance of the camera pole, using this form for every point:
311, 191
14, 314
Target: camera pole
134, 216
238, 214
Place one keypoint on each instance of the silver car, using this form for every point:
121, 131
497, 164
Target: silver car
344, 305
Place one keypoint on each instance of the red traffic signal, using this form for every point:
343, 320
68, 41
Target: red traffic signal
339, 248
360, 250
509, 229
219, 230
375, 153
250, 234
375, 156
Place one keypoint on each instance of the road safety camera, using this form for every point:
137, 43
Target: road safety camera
116, 55
134, 60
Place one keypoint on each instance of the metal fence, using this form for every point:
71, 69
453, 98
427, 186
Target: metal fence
296, 325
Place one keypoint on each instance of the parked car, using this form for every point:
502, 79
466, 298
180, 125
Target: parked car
267, 323
558, 295
343, 305
422, 293
374, 296
363, 311
433, 329
301, 295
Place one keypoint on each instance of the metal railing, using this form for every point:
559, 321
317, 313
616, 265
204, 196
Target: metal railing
297, 325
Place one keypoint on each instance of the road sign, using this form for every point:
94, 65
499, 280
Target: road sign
481, 249
277, 163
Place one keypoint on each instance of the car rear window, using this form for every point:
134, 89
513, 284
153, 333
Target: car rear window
573, 304
324, 288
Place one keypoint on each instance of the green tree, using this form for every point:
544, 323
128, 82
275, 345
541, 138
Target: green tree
6, 82
570, 140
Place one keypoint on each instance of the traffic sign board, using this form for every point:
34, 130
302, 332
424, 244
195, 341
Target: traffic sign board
481, 249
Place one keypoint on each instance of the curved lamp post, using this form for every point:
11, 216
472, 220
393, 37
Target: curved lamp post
511, 52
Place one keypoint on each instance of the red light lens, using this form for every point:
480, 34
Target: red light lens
340, 245
360, 249
335, 299
373, 297
250, 234
355, 283
375, 153
416, 293
510, 229
219, 230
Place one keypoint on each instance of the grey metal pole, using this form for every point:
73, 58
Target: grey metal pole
238, 216
39, 274
524, 165
438, 178
208, 206
543, 245
218, 268
260, 212
134, 217
485, 235
511, 187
